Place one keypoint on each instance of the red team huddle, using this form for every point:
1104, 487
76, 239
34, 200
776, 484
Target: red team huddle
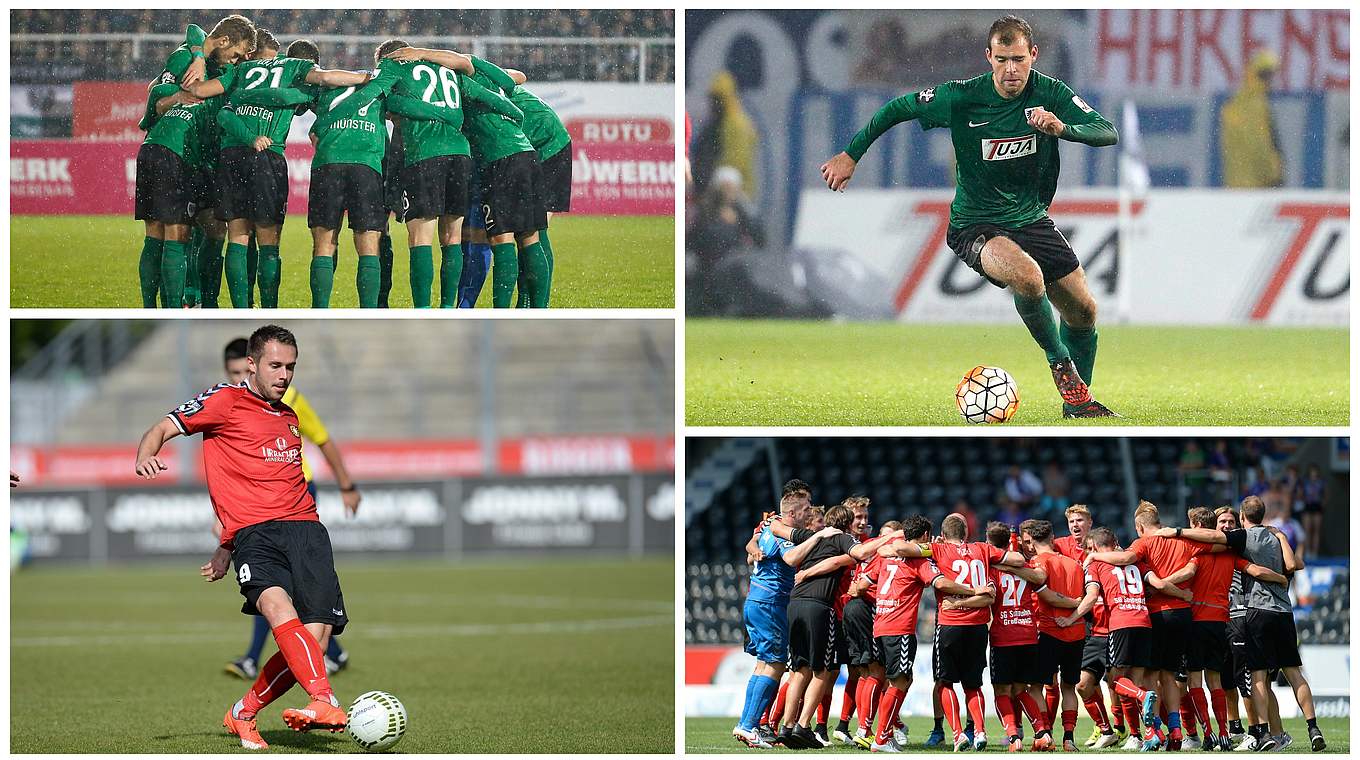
1061, 615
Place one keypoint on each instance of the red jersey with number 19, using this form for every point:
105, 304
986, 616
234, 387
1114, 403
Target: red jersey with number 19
252, 456
1123, 592
965, 564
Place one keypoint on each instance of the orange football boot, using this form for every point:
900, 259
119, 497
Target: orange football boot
317, 716
245, 729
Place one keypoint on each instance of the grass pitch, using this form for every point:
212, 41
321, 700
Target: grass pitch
488, 657
91, 261
714, 735
740, 372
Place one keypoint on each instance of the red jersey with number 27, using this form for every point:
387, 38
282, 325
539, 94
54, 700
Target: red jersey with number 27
252, 456
966, 564
1013, 621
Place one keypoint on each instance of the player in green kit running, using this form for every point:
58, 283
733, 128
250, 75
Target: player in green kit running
252, 173
230, 40
1005, 128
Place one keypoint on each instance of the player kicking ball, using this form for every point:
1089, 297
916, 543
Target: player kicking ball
252, 455
1005, 127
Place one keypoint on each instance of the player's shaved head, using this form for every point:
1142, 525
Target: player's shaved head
1253, 510
1200, 517
1009, 30
954, 527
304, 49
388, 47
916, 528
999, 535
839, 517
1103, 539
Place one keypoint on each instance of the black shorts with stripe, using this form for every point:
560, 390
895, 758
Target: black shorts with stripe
165, 185
813, 629
294, 555
512, 195
1208, 648
857, 620
1095, 656
253, 186
338, 189
1057, 657
899, 654
1131, 648
959, 654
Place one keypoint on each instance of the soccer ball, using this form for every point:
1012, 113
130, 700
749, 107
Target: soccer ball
987, 394
377, 721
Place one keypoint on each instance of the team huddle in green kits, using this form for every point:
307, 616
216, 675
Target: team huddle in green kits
475, 161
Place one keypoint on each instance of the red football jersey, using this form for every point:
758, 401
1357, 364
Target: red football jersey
1013, 611
252, 456
1068, 546
1164, 556
868, 569
1123, 592
1210, 585
966, 564
1065, 577
900, 584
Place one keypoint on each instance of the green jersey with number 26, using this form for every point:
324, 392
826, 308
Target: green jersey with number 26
437, 86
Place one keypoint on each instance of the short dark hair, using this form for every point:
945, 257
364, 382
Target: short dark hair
839, 517
1201, 517
999, 534
1253, 510
304, 49
1038, 530
794, 486
1007, 28
1103, 537
387, 47
916, 526
264, 40
237, 349
267, 334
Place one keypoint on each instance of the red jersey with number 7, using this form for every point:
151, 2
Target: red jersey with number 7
252, 456
900, 584
966, 564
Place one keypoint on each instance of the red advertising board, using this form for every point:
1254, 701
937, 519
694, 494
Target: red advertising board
107, 111
54, 466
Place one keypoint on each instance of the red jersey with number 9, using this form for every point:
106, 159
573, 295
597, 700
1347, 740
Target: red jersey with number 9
968, 565
252, 456
1013, 611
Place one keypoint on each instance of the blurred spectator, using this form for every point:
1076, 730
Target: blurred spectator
1022, 487
1250, 145
725, 225
1009, 513
1255, 485
1054, 501
728, 138
1220, 472
1313, 489
1193, 474
885, 59
1293, 489
1277, 516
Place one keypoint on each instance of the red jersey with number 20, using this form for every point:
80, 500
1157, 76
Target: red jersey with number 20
900, 583
252, 456
966, 564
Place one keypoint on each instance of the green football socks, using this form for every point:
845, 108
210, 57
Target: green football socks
191, 254
172, 274
504, 274
422, 275
271, 272
238, 284
532, 261
450, 272
1037, 314
149, 271
384, 269
368, 279
547, 254
522, 299
252, 268
210, 273
1081, 343
322, 280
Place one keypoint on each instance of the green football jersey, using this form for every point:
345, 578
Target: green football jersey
1006, 171
175, 66
493, 134
541, 124
349, 136
434, 85
270, 73
180, 130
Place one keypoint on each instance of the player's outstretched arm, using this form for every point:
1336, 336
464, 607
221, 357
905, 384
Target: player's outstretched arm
780, 530
943, 585
272, 97
415, 108
1032, 575
234, 126
519, 76
1292, 562
1261, 573
1113, 558
337, 78
1203, 535
795, 556
826, 566
905, 549
195, 39
499, 76
866, 550
149, 464
349, 492
1183, 575
1087, 602
449, 59
1170, 589
972, 602
1058, 599
491, 99
168, 96
753, 552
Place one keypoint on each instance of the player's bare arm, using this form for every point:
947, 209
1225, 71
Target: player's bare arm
795, 556
1120, 558
1011, 560
825, 567
1032, 575
945, 586
1266, 575
1087, 602
857, 587
517, 75
905, 549
1183, 575
867, 549
1203, 535
216, 568
972, 602
753, 552
838, 170
170, 101
449, 59
149, 463
1161, 586
1045, 121
349, 492
1057, 599
337, 78
1292, 562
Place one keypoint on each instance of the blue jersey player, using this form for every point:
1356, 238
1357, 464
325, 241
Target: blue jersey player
767, 601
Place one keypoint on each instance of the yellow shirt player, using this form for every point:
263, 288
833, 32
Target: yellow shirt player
312, 429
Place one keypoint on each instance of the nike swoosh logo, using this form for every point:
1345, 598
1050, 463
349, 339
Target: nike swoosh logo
983, 124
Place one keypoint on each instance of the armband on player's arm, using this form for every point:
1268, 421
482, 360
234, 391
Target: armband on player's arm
282, 97
892, 113
492, 99
232, 125
415, 108
499, 76
1097, 134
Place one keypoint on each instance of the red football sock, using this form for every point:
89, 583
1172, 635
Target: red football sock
1220, 701
1096, 710
888, 706
1032, 711
848, 699
1117, 713
1051, 697
1132, 711
1129, 689
949, 701
1199, 700
824, 709
977, 708
1188, 718
304, 657
777, 712
1005, 709
866, 701
1069, 720
274, 681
